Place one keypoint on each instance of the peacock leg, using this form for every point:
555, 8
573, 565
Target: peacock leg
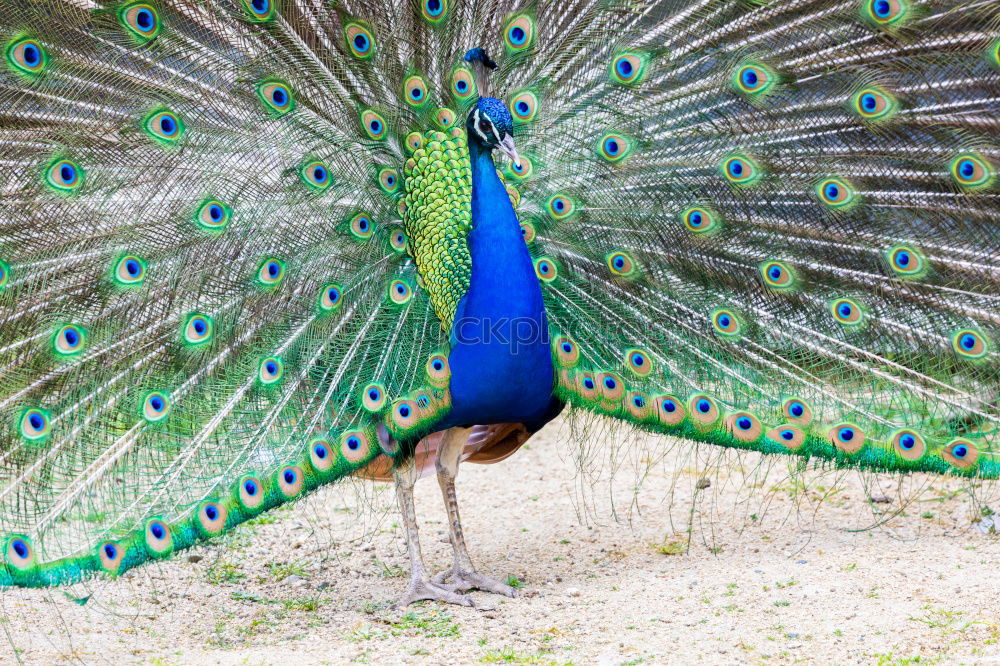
420, 586
461, 576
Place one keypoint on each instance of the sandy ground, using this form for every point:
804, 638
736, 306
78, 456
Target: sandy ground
767, 564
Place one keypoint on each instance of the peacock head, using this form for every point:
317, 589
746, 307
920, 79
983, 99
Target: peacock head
490, 125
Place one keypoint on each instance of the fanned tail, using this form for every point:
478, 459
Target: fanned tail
772, 227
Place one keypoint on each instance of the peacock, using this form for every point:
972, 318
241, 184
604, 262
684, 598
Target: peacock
249, 248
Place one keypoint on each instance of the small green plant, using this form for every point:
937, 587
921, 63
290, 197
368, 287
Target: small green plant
224, 573
514, 581
670, 547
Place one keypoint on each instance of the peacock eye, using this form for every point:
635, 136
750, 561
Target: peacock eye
485, 126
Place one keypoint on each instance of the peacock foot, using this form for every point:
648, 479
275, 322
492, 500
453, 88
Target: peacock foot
462, 580
420, 589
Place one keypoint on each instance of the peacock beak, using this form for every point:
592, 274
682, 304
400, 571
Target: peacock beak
508, 149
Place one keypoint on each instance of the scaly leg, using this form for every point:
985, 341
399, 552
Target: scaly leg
420, 586
462, 575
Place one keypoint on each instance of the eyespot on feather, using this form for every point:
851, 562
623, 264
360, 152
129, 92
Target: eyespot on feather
27, 56
701, 220
463, 85
329, 298
726, 323
259, 10
212, 215
360, 40
778, 275
908, 445
290, 481
141, 20
546, 269
797, 411
270, 272
874, 104
629, 68
740, 170
703, 410
250, 493
210, 518
847, 437
614, 148
669, 409
164, 127
560, 206
610, 386
373, 397
271, 370
434, 11
566, 351
906, 262
361, 226
445, 118
373, 124
64, 176
586, 385
415, 91
744, 426
397, 240
972, 172
158, 537
621, 264
69, 340
961, 453
400, 292
197, 329
519, 32
438, 370
355, 446
639, 362
788, 435
889, 15
524, 106
754, 80
129, 271
276, 96
316, 175
155, 406
388, 180
528, 232
836, 193
110, 555
637, 405
320, 456
970, 344
847, 312
34, 424
19, 553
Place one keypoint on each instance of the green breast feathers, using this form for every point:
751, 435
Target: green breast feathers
438, 216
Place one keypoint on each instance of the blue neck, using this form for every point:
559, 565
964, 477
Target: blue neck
500, 359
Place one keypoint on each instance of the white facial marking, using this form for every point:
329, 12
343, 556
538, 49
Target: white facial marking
475, 125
